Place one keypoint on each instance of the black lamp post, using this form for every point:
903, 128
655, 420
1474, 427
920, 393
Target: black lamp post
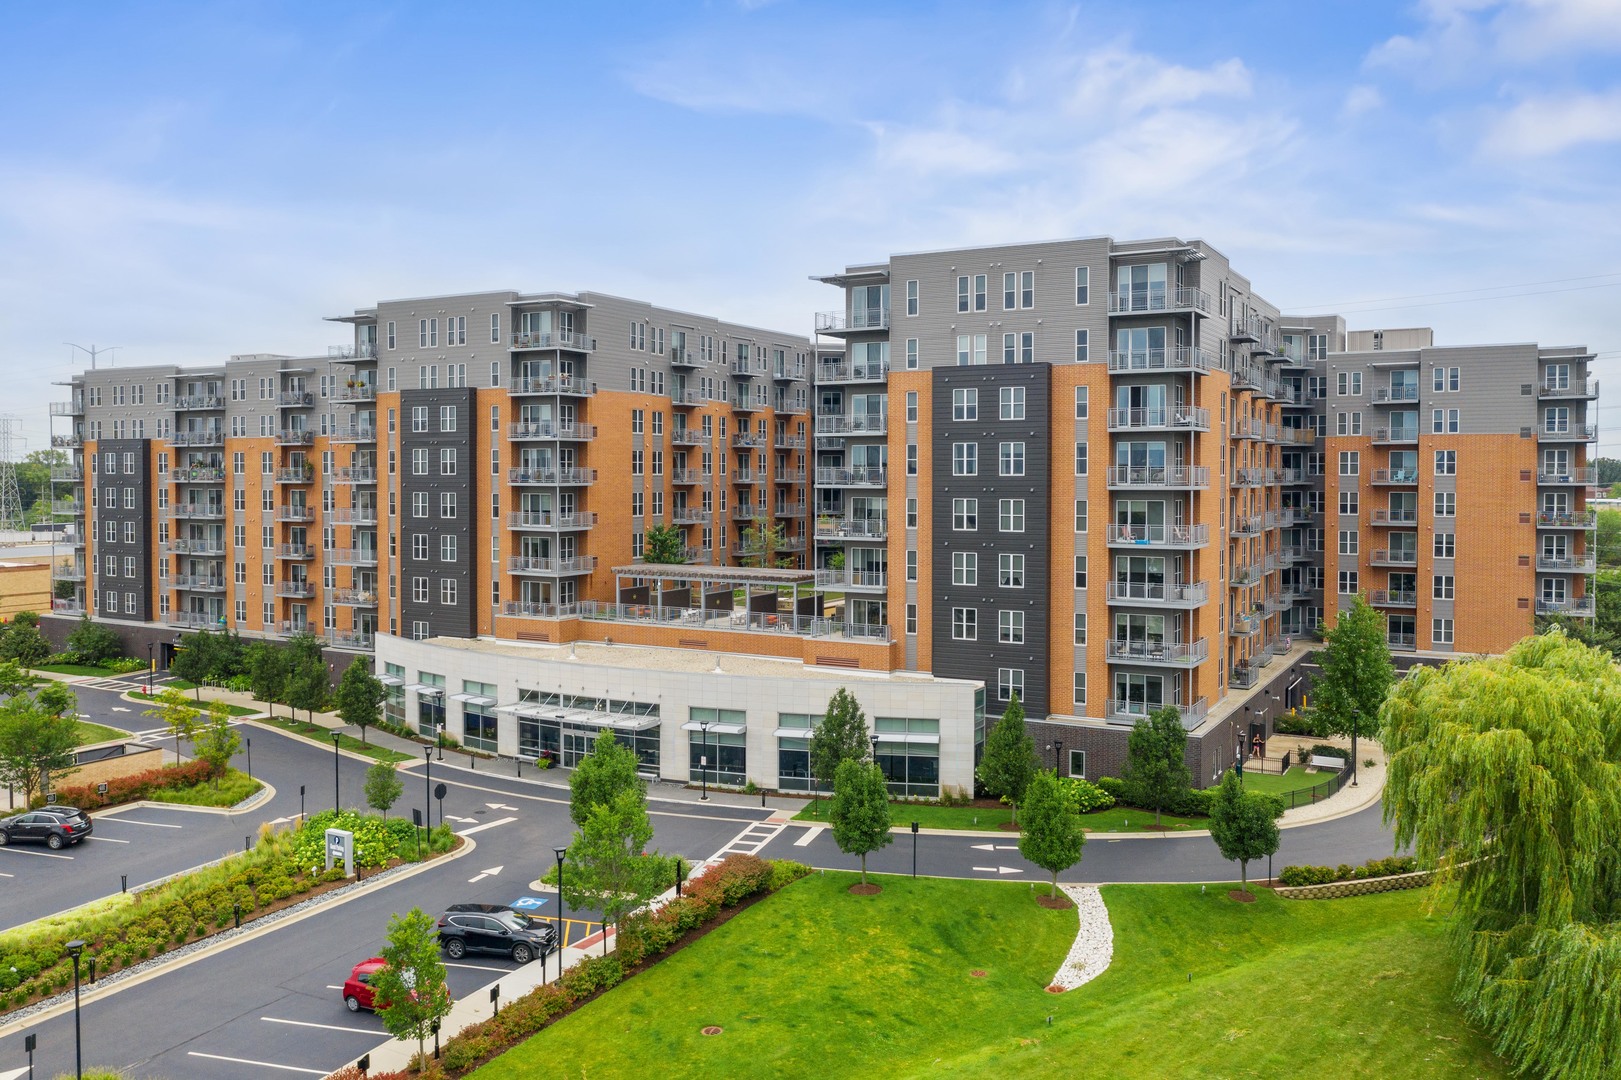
703, 763
1057, 747
148, 669
560, 852
75, 947
337, 803
427, 785
249, 743
914, 850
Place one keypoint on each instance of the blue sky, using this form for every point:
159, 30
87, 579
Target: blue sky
191, 180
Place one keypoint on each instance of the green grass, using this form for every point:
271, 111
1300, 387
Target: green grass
233, 710
233, 787
1296, 779
97, 733
814, 983
76, 669
317, 733
990, 819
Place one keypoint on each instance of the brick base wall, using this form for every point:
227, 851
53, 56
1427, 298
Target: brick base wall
1334, 890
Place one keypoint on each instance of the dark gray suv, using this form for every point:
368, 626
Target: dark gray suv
54, 826
490, 928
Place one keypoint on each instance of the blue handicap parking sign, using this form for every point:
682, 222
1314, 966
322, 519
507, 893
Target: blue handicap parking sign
528, 903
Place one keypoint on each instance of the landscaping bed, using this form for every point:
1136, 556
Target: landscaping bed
233, 710
987, 815
99, 733
190, 784
317, 733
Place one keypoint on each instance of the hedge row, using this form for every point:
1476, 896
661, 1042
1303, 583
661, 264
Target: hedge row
1322, 875
642, 939
1194, 802
123, 789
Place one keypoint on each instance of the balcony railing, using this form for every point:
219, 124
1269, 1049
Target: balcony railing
1176, 358
1383, 516
294, 551
680, 357
295, 476
852, 579
788, 476
69, 573
1567, 519
751, 621
569, 477
688, 477
750, 512
1393, 598
571, 385
198, 582
67, 507
750, 367
1137, 302
196, 474
747, 476
559, 339
1567, 432
354, 515
1584, 475
550, 520
1123, 711
1573, 605
295, 399
1402, 642
851, 373
295, 438
1159, 535
788, 509
363, 392
205, 402
360, 640
1387, 557
1253, 524
295, 513
834, 477
194, 620
355, 597
357, 433
1175, 653
1173, 476
784, 441
1243, 676
355, 475
1402, 477
191, 438
1387, 436
525, 564
363, 350
529, 609
295, 589
191, 546
551, 429
203, 511
749, 440
1580, 564
1170, 593
67, 408
788, 372
1168, 418
688, 437
1383, 395
846, 424
852, 528
1246, 625
66, 474
351, 556
67, 607
1580, 389
855, 320
689, 515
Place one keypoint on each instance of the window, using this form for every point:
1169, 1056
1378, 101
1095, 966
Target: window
1080, 515
447, 549
1080, 628
419, 461
1082, 348
1027, 348
982, 284
1444, 421
1010, 291
1348, 583
1446, 504
1010, 515
1348, 423
1441, 629
1010, 571
1350, 462
965, 459
1443, 587
1444, 546
1317, 347
447, 590
1011, 401
962, 293
1083, 285
964, 515
911, 459
1446, 380
911, 566
1081, 402
971, 350
1348, 542
419, 418
911, 354
391, 337
965, 404
1446, 463
1350, 384
1348, 503
1010, 459
964, 624
1080, 459
1027, 289
911, 618
911, 513
419, 547
911, 298
1010, 627
419, 590
1009, 681
447, 461
964, 568
447, 418
911, 406
1080, 571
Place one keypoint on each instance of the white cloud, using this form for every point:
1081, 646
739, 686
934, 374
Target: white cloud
1361, 99
1541, 126
1463, 37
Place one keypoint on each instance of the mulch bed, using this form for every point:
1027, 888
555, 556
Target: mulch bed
1055, 903
869, 889
1008, 826
1241, 896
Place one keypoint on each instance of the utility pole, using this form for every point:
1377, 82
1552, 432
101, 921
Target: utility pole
11, 500
92, 351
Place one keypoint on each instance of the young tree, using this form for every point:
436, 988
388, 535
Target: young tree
840, 737
1607, 539
383, 787
860, 811
34, 743
410, 989
359, 696
95, 643
190, 660
267, 673
1242, 825
762, 540
1156, 759
57, 700
217, 742
1009, 762
608, 867
609, 769
307, 687
177, 714
664, 544
1052, 837
1357, 674
15, 679
22, 640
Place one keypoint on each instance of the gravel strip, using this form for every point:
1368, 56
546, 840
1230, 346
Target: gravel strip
220, 937
1094, 939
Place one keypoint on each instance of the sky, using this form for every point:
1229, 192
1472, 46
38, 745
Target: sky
187, 181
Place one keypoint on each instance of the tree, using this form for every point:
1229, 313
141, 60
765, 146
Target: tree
762, 541
267, 673
217, 742
1609, 471
306, 687
94, 643
664, 544
359, 695
22, 640
1357, 674
1242, 825
177, 714
14, 679
840, 737
610, 768
190, 660
1009, 762
608, 867
860, 811
34, 742
1607, 540
1156, 759
410, 989
57, 700
383, 787
1505, 774
1052, 837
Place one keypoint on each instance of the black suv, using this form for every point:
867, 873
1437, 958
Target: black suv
54, 826
465, 928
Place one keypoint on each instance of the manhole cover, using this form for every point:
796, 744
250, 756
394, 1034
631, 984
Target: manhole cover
713, 1030
481, 811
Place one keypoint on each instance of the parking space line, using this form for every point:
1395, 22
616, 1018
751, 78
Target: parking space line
323, 1027
810, 835
261, 1064
329, 986
107, 840
154, 824
37, 854
479, 967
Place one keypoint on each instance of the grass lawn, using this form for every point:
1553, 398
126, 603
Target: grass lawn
97, 733
990, 819
317, 733
1296, 779
233, 787
77, 669
814, 983
233, 710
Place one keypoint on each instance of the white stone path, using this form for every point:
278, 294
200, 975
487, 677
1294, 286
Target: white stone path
1094, 939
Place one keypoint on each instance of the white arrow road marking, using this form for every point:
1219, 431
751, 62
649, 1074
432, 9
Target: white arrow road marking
994, 847
810, 834
261, 1064
486, 825
998, 870
491, 872
323, 1027
17, 1074
119, 708
463, 820
499, 806
283, 821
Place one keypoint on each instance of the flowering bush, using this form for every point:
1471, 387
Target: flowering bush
1083, 795
124, 789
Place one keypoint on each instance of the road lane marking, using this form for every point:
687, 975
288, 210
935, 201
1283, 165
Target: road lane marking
107, 840
486, 825
565, 802
994, 847
6, 875
329, 986
261, 1064
493, 871
810, 834
478, 967
998, 870
154, 824
323, 1027
38, 854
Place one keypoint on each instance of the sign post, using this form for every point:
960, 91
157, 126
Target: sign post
340, 847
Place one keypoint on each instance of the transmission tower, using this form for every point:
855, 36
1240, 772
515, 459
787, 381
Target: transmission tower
11, 500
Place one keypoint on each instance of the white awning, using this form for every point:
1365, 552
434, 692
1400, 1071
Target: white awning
391, 680
717, 729
903, 737
420, 688
629, 722
472, 699
794, 733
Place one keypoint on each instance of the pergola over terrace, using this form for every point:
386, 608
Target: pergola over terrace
708, 596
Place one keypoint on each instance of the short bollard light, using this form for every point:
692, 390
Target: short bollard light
495, 998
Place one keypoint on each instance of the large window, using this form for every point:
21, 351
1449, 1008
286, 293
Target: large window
726, 752
909, 755
478, 715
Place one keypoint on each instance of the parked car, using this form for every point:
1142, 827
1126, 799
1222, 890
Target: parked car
357, 992
54, 826
492, 928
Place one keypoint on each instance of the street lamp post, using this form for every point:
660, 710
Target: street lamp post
1057, 747
149, 666
427, 785
75, 947
703, 763
250, 758
337, 798
914, 850
560, 852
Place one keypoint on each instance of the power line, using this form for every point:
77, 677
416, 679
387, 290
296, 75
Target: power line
1455, 292
1445, 303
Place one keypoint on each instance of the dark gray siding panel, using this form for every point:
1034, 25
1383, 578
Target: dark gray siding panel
113, 506
444, 620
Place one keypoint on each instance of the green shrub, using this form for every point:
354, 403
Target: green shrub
1084, 796
1323, 875
1325, 750
785, 872
140, 785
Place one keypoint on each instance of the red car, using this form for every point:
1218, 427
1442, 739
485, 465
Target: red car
357, 992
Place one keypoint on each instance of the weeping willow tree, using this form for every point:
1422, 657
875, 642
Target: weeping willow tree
1506, 774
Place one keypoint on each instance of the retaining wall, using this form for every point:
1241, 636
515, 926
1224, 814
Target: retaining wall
1354, 887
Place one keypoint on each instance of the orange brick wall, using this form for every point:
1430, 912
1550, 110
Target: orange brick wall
1496, 485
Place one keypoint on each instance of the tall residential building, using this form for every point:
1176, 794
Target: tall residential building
1104, 476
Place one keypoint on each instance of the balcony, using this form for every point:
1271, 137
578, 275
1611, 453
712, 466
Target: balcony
294, 551
852, 579
349, 395
689, 515
1394, 436
789, 371
69, 573
350, 556
196, 511
1174, 536
1577, 606
852, 528
847, 424
1181, 477
1567, 432
568, 385
863, 478
1393, 518
743, 403
355, 475
788, 476
1246, 625
744, 440
693, 619
1169, 418
1158, 653
67, 607
829, 374
1245, 576
525, 564
196, 474
198, 582
1567, 519
1401, 598
687, 398
854, 321
1580, 564
355, 597
1293, 476
364, 350
751, 512
689, 477
788, 509
1247, 427
747, 476
1584, 390
570, 477
295, 513
550, 521
1388, 557
357, 434
1248, 377
298, 437
1147, 301
1256, 477
295, 626
354, 640
67, 508
199, 402
194, 620
67, 474
784, 441
1394, 395
1395, 477
750, 368
1122, 711
298, 590
353, 515
1584, 476
188, 438
295, 399
1253, 525
1293, 436
205, 547
1294, 553
560, 339
683, 436
529, 609
295, 476
684, 358
1177, 358
1290, 516
564, 430
67, 408
1159, 593
1243, 676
